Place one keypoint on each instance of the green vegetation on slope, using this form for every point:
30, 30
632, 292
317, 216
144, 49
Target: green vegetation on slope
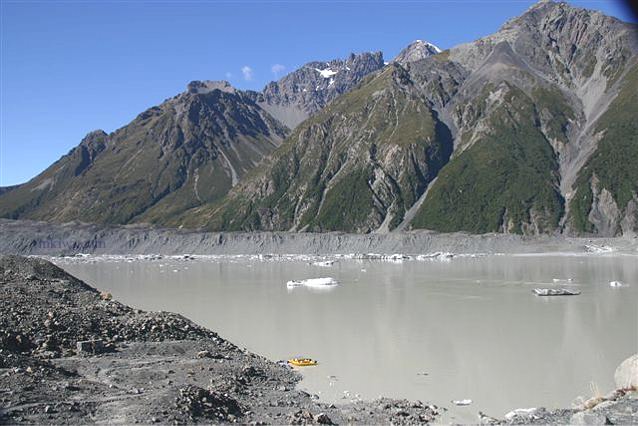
347, 204
170, 158
47, 186
370, 153
615, 162
496, 183
554, 111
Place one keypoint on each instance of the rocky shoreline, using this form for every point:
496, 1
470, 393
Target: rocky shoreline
41, 238
71, 354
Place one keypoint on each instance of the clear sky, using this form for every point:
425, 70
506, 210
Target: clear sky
69, 67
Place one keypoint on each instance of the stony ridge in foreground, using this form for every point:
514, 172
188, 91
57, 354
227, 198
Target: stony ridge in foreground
144, 367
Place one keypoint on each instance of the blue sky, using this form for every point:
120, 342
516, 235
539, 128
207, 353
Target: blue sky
69, 67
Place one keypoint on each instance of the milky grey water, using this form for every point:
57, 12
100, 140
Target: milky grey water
436, 331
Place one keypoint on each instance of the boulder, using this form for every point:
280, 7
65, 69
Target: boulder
589, 418
90, 347
626, 375
323, 419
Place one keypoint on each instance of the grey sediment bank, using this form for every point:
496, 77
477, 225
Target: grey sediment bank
41, 238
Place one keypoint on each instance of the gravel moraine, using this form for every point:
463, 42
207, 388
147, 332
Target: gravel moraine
26, 237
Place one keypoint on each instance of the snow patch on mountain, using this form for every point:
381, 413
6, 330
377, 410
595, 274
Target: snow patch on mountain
326, 73
430, 45
416, 51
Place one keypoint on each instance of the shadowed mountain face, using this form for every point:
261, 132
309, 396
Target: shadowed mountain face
520, 131
189, 150
529, 130
357, 165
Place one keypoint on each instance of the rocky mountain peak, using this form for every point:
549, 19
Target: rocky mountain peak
546, 12
580, 49
94, 142
416, 51
94, 135
537, 9
307, 90
207, 86
532, 129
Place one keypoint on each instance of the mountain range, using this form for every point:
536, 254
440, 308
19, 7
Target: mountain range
190, 150
530, 130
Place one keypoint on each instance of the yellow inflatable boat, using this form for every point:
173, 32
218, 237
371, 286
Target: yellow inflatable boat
302, 362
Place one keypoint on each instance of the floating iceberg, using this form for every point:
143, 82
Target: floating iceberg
376, 256
592, 248
323, 263
441, 256
397, 257
313, 282
555, 292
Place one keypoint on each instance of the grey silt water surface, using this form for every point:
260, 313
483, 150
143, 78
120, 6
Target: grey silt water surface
469, 328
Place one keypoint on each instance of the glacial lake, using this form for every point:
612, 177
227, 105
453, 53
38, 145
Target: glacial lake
437, 331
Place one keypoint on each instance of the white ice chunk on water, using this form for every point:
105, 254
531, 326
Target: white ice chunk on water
520, 412
441, 256
313, 282
323, 263
397, 257
592, 248
555, 292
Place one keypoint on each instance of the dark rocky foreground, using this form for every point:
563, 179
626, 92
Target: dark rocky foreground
70, 354
141, 367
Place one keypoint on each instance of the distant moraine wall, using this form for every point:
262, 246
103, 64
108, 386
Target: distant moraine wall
40, 238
